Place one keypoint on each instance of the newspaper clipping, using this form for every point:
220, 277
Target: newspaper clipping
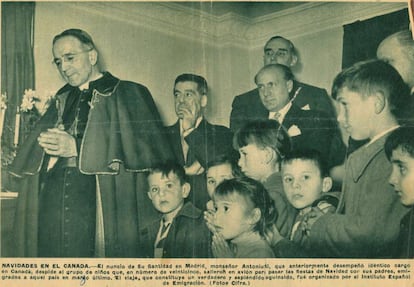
222, 41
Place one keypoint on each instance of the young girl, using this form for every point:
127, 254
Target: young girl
244, 213
262, 145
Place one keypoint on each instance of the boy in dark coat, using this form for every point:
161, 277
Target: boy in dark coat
181, 231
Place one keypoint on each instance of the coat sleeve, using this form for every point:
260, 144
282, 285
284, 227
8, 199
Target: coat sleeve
238, 113
208, 142
369, 224
126, 128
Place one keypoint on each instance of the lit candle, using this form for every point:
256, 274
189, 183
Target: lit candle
17, 128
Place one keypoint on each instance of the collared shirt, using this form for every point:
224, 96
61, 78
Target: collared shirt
162, 234
378, 136
184, 133
85, 86
281, 113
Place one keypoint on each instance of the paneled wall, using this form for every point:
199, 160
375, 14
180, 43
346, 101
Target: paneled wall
151, 43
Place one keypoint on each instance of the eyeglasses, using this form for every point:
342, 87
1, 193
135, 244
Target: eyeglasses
68, 58
279, 53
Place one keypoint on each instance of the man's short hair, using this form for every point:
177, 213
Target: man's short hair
264, 133
374, 76
403, 138
286, 71
292, 48
199, 80
308, 155
170, 167
79, 34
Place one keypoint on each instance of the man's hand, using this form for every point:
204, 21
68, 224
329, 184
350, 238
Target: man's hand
58, 143
189, 122
194, 169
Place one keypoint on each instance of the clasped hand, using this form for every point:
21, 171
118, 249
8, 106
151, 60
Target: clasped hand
58, 143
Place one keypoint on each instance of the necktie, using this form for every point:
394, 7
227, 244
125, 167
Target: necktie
162, 234
185, 147
277, 117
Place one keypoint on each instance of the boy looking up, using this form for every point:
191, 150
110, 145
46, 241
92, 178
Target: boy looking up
306, 183
181, 232
366, 224
399, 148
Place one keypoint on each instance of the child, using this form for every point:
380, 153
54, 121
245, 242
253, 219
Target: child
399, 148
223, 167
371, 96
306, 183
244, 212
181, 232
262, 144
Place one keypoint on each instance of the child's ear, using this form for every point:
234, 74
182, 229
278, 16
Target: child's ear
270, 155
326, 184
149, 195
185, 189
255, 216
379, 102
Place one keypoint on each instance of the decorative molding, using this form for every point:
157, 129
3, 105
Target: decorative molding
234, 30
315, 17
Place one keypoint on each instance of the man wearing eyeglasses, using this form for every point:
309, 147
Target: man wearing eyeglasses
87, 155
279, 50
248, 106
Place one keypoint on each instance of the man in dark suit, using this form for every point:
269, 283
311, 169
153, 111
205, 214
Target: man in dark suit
279, 50
308, 129
195, 141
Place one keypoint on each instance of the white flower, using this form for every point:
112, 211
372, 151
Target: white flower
3, 101
28, 100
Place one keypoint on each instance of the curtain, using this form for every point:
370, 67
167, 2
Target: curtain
362, 38
17, 64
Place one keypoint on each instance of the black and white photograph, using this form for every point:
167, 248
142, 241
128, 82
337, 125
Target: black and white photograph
260, 143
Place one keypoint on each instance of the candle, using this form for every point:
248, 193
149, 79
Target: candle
3, 114
17, 128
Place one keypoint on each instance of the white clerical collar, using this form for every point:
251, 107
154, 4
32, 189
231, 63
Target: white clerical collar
282, 113
380, 135
85, 85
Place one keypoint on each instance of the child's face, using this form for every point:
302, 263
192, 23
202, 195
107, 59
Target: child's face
234, 215
302, 182
253, 161
166, 192
355, 113
402, 176
216, 174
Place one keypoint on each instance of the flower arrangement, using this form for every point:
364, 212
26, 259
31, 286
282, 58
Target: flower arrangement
32, 108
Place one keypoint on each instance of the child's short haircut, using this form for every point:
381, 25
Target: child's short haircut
230, 158
310, 155
255, 192
263, 133
369, 77
170, 166
403, 138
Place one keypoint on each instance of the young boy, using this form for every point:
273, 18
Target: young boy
306, 183
399, 148
371, 96
181, 232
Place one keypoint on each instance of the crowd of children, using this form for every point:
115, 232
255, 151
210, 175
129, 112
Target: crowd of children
274, 201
